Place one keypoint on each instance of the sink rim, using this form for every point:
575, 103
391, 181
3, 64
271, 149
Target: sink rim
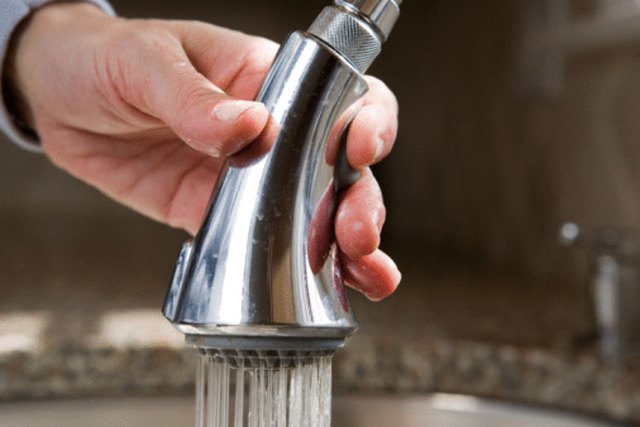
347, 408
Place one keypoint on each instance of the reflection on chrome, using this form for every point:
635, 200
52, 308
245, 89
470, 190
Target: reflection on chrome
263, 263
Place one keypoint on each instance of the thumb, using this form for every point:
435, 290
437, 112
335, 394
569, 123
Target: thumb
197, 111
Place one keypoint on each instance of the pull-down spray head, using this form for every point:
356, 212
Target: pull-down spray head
262, 272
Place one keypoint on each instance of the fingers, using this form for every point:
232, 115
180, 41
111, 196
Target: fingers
375, 275
359, 220
233, 61
163, 83
237, 63
374, 128
360, 217
257, 148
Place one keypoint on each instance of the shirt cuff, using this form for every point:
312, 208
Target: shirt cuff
12, 12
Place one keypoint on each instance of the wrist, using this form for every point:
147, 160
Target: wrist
12, 93
28, 52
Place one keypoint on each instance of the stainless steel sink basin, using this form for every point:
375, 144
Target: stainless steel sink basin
437, 410
449, 410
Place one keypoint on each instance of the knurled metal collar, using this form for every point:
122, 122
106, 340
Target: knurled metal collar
349, 35
383, 14
357, 28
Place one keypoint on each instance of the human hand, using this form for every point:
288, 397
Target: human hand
147, 111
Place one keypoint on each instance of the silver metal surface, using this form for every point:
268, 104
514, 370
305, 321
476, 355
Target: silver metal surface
614, 287
356, 29
253, 269
383, 14
263, 268
358, 41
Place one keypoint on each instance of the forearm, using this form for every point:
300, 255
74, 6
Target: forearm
14, 113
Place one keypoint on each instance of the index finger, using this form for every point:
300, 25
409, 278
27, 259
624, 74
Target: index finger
373, 130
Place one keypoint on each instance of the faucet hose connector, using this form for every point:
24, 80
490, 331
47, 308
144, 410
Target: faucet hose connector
356, 29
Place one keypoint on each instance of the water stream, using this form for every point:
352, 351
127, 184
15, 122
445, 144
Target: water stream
263, 392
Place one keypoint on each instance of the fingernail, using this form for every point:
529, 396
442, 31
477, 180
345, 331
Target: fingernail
229, 111
379, 147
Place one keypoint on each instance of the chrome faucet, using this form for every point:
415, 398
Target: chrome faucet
262, 272
615, 287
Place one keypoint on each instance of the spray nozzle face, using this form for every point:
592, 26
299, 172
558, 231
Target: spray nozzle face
272, 353
275, 352
268, 358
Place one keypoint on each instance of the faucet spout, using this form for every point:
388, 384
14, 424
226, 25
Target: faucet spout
264, 264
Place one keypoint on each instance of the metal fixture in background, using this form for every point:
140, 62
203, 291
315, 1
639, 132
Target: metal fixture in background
262, 273
615, 286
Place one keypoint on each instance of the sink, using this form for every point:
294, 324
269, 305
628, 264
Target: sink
434, 410
449, 410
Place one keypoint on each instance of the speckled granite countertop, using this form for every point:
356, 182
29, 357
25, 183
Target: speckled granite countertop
441, 332
132, 363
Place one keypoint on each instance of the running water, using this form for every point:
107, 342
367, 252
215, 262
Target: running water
263, 392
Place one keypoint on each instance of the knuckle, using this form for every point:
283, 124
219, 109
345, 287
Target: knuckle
379, 92
140, 40
191, 93
377, 85
260, 54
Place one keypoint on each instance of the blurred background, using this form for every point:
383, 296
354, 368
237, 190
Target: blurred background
511, 123
515, 117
